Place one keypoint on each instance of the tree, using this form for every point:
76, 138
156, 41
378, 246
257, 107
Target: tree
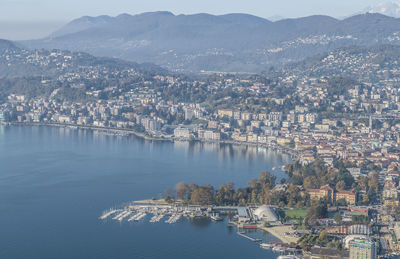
310, 182
168, 193
317, 211
181, 189
363, 182
360, 219
267, 180
203, 195
225, 195
338, 218
323, 235
341, 185
373, 181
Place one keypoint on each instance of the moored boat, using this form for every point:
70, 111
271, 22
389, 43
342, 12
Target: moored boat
288, 257
266, 246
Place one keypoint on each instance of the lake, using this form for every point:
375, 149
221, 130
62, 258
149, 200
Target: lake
56, 182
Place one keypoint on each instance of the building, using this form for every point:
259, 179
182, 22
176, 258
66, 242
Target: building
337, 230
266, 213
209, 135
359, 230
183, 133
189, 113
325, 192
212, 124
3, 116
275, 116
227, 113
243, 215
362, 249
64, 119
348, 196
328, 193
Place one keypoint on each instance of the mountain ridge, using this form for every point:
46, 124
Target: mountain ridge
230, 42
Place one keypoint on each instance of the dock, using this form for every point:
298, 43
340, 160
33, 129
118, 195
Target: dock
156, 218
249, 238
133, 217
106, 214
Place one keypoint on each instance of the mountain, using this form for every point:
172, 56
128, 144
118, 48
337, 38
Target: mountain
82, 24
230, 43
387, 8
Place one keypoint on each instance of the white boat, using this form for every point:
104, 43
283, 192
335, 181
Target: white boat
278, 249
266, 246
216, 217
288, 257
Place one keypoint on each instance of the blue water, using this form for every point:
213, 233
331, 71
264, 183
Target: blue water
55, 182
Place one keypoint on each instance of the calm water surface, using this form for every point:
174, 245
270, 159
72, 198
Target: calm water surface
55, 182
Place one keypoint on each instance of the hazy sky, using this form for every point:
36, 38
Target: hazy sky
25, 19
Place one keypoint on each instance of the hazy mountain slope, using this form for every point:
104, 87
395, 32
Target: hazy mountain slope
233, 42
17, 62
353, 62
7, 45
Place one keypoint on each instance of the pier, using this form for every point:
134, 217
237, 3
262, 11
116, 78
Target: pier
249, 238
106, 214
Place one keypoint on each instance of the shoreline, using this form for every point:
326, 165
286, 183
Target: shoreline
286, 151
75, 126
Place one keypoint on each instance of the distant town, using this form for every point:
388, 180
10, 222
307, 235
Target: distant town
338, 115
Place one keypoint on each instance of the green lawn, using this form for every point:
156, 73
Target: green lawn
296, 213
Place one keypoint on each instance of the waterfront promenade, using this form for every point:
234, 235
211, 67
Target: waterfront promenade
279, 232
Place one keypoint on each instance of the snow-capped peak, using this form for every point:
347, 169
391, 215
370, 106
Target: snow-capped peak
388, 8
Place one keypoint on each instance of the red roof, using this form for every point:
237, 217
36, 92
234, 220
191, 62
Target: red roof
326, 187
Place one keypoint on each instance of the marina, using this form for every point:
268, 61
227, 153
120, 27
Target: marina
243, 218
160, 211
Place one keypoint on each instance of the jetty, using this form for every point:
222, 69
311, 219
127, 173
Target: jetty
125, 215
133, 217
116, 217
156, 218
106, 214
249, 238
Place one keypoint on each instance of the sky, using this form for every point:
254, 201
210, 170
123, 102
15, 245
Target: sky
29, 19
